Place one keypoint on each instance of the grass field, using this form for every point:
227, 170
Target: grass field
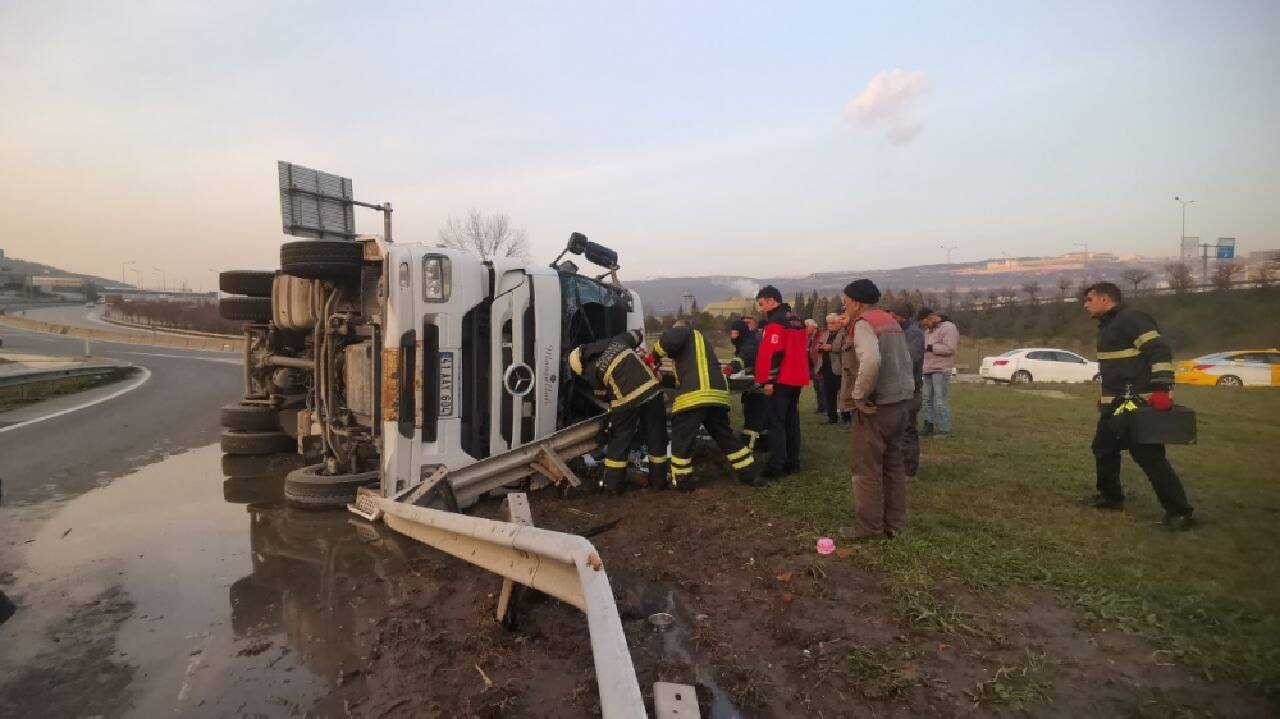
994, 511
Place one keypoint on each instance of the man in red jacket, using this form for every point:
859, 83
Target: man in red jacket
782, 368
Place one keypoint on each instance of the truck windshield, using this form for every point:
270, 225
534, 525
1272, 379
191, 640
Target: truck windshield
592, 310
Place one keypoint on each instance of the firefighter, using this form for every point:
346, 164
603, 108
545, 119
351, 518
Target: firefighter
702, 400
612, 367
755, 412
1136, 365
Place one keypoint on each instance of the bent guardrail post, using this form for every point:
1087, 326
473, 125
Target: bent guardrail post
564, 566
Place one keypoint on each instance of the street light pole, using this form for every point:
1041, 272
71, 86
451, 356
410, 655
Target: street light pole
1182, 238
124, 277
948, 249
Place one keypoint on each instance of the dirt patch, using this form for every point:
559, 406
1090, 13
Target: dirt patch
55, 682
764, 627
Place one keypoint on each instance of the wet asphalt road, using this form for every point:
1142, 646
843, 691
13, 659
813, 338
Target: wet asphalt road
140, 589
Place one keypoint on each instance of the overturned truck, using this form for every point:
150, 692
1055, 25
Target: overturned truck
388, 364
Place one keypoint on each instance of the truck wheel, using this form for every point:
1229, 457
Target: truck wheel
308, 487
259, 466
244, 490
250, 283
250, 417
241, 442
247, 309
322, 259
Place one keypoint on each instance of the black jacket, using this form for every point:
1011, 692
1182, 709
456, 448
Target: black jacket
698, 374
1132, 354
611, 366
745, 350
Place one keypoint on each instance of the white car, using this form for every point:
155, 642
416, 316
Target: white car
1039, 364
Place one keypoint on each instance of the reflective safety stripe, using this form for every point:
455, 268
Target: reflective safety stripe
1119, 354
615, 463
701, 346
680, 471
752, 436
745, 451
634, 393
699, 397
743, 463
1145, 338
657, 348
1162, 367
681, 461
657, 460
608, 373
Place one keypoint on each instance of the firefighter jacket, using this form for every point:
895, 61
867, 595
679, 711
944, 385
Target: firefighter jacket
1132, 354
698, 377
612, 366
784, 349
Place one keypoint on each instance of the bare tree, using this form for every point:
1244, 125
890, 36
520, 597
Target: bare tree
993, 297
1136, 276
1180, 278
1064, 286
1265, 273
951, 293
487, 236
1007, 295
1032, 289
1224, 273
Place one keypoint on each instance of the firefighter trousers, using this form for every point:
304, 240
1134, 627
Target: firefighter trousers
624, 424
684, 434
755, 417
1150, 457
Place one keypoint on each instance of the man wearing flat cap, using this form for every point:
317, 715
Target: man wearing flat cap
877, 383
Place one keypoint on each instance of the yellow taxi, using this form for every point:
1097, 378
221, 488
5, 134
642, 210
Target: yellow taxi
1248, 368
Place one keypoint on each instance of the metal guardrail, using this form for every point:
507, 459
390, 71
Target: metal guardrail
564, 566
152, 340
56, 374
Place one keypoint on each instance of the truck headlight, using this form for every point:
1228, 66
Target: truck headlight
437, 278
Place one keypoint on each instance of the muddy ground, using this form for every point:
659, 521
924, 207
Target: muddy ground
765, 628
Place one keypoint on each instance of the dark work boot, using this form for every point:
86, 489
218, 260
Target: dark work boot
1178, 522
1098, 501
927, 431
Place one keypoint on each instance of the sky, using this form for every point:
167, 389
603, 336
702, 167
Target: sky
756, 139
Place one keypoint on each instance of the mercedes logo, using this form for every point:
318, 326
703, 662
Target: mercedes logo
518, 379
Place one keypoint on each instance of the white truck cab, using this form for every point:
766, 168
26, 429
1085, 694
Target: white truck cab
402, 358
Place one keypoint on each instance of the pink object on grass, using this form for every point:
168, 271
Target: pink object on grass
826, 545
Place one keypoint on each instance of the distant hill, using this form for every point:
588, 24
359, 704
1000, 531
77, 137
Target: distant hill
663, 294
16, 266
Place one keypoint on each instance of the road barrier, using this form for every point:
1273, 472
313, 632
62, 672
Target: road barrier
205, 344
564, 566
28, 386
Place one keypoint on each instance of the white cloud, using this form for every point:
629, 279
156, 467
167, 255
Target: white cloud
889, 101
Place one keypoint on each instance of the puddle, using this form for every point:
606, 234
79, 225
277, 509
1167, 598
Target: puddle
676, 642
227, 609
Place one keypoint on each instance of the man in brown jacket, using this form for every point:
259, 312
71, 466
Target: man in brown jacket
877, 382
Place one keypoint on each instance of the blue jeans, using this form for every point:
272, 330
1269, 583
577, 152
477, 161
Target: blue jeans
937, 409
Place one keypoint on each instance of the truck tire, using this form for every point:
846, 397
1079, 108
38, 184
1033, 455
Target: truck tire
250, 417
259, 466
250, 283
307, 487
245, 490
247, 309
241, 442
322, 259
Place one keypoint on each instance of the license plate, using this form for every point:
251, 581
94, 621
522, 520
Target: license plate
446, 384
